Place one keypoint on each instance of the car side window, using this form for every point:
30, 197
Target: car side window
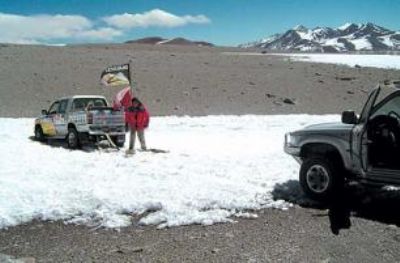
78, 105
63, 106
54, 107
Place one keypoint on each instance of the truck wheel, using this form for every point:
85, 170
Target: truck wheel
73, 139
39, 136
320, 178
119, 144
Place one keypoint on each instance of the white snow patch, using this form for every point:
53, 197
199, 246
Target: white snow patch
164, 41
387, 41
306, 48
218, 167
391, 188
269, 39
305, 34
345, 26
377, 61
361, 44
334, 42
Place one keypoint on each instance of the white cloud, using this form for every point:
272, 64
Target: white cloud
43, 28
106, 33
155, 17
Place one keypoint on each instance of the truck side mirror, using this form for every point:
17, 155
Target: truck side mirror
44, 112
349, 117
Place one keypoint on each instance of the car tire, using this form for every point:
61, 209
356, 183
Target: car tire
321, 178
119, 144
73, 139
39, 135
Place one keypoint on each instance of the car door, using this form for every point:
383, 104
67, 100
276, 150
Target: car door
47, 122
59, 118
388, 172
360, 136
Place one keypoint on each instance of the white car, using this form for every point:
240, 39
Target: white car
80, 119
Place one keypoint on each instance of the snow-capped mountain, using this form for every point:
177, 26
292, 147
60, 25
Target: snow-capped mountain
349, 37
173, 41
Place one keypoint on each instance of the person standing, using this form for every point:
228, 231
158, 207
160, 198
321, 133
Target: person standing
138, 119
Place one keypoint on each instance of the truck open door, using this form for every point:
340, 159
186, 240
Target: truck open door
360, 135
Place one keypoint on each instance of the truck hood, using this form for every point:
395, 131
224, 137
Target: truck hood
333, 129
338, 135
329, 126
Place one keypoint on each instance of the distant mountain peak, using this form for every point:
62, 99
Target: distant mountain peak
346, 26
172, 41
300, 28
348, 37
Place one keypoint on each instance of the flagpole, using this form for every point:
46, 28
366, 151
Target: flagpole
130, 75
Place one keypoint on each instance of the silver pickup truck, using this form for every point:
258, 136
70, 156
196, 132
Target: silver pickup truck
80, 119
365, 148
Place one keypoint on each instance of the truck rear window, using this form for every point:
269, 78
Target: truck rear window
84, 103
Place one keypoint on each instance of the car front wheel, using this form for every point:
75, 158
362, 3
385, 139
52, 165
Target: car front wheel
39, 136
73, 139
320, 178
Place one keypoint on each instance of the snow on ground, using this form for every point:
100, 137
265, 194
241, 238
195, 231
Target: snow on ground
218, 167
376, 61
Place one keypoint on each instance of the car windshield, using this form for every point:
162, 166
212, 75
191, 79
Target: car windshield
84, 103
54, 107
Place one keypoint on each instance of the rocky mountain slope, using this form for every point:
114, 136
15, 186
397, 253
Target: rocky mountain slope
172, 41
349, 37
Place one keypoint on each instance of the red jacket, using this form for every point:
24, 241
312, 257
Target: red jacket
137, 118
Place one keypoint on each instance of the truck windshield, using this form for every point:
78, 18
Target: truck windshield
84, 103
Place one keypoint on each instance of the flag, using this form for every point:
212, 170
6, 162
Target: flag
123, 98
116, 75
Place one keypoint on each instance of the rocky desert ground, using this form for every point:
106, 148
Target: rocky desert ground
182, 80
194, 81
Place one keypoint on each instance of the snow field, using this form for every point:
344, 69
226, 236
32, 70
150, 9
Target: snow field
376, 61
218, 168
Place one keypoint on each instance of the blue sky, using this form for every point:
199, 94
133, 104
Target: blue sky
224, 22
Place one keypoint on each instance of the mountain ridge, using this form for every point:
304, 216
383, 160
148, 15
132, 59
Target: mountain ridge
172, 41
349, 37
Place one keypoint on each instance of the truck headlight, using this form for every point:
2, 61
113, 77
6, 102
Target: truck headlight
291, 140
